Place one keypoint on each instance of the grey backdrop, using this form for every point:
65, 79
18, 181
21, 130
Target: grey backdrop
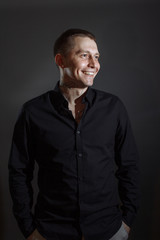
128, 35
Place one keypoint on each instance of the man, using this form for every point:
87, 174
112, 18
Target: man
82, 141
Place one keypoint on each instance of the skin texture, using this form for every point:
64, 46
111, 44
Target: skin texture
78, 69
36, 236
83, 57
127, 228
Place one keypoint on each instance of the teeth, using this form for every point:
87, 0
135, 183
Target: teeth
89, 73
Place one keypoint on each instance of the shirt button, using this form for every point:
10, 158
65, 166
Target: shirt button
78, 132
79, 154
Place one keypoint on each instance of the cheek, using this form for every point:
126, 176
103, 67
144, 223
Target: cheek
68, 72
98, 66
80, 65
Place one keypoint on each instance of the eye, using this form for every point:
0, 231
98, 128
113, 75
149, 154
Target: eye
84, 55
96, 57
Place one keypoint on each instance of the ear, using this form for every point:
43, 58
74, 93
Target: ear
59, 60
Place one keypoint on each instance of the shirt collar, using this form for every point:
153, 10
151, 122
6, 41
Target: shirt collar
89, 96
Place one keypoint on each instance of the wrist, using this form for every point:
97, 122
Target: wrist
127, 228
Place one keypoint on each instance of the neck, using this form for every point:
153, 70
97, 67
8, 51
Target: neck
71, 94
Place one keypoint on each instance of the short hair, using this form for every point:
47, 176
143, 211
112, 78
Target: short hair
64, 43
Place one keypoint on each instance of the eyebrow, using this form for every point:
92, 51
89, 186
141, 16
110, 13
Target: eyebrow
82, 51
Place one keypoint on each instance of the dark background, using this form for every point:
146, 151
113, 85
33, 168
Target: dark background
128, 34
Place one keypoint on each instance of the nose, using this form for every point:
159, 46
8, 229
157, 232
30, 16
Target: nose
92, 62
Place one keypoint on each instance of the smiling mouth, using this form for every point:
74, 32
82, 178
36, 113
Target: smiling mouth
89, 73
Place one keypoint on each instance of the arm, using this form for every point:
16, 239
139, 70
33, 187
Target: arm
21, 165
128, 174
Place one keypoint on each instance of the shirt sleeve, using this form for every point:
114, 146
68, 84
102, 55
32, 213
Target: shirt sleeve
127, 160
21, 166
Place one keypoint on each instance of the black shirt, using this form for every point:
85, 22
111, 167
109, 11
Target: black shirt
79, 165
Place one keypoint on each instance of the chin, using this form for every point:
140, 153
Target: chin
83, 83
89, 83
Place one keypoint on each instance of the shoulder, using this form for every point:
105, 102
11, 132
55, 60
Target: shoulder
102, 96
37, 102
109, 102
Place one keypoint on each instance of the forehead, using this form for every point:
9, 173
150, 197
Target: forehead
84, 44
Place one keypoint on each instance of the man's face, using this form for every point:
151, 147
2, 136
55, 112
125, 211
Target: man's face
81, 63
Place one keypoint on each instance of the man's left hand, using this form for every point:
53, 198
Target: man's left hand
127, 228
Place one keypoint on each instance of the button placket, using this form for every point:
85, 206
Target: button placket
79, 161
